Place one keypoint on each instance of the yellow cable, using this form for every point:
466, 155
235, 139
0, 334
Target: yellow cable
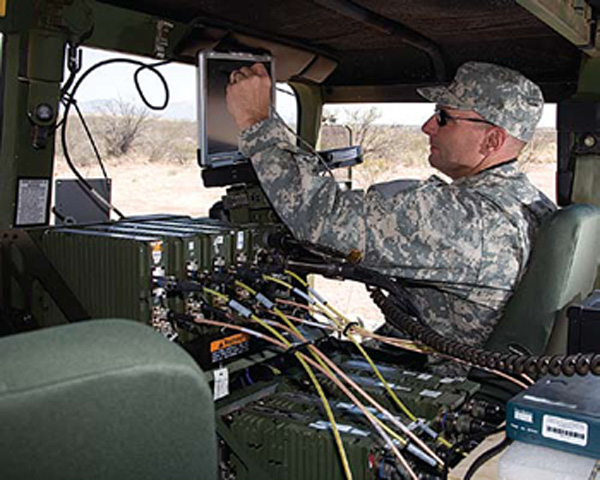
362, 351
214, 293
387, 386
279, 313
391, 432
317, 385
336, 434
245, 287
361, 407
278, 280
360, 348
297, 277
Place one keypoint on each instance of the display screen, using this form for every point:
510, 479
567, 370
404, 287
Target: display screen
217, 131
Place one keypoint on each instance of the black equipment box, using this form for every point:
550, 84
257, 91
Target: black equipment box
584, 325
74, 206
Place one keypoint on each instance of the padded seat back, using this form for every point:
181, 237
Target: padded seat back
562, 270
103, 399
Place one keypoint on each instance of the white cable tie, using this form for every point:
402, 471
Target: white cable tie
238, 307
303, 295
265, 301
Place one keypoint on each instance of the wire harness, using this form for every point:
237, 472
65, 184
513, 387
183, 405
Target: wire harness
511, 363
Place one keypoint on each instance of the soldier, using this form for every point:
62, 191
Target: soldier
464, 245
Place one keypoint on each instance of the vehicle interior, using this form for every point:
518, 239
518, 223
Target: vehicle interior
252, 374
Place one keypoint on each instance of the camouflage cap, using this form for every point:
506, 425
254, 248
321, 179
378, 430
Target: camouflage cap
502, 96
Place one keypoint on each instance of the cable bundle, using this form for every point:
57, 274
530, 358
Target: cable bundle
511, 363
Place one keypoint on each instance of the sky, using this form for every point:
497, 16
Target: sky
116, 81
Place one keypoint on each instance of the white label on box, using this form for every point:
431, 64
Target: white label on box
564, 430
157, 251
523, 415
430, 393
424, 376
32, 201
323, 425
221, 388
240, 241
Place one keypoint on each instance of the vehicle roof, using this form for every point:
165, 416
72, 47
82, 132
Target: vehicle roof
384, 49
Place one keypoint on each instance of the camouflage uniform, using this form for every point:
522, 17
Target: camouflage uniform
467, 241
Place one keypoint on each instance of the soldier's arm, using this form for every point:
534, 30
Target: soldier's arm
312, 206
433, 232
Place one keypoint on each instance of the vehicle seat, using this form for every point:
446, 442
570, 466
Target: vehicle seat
103, 399
562, 270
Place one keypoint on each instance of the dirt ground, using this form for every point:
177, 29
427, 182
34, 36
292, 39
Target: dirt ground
144, 188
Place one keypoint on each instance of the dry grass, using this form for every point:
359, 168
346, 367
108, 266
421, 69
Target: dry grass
399, 149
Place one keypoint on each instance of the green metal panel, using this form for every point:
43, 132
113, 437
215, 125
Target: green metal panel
572, 19
586, 168
135, 32
310, 107
588, 87
213, 245
111, 274
424, 394
304, 447
586, 183
35, 36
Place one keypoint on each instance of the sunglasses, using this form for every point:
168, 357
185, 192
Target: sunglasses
442, 117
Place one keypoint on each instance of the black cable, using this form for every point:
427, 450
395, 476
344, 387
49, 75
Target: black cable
74, 65
508, 362
90, 137
458, 445
68, 98
402, 313
152, 67
486, 456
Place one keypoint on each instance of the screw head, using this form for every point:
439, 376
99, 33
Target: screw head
589, 141
44, 112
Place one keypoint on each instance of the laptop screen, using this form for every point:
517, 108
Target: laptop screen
217, 132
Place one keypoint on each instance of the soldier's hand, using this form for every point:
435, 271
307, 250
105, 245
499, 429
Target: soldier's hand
249, 95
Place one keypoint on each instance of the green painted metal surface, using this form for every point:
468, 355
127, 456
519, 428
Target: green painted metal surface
572, 19
110, 273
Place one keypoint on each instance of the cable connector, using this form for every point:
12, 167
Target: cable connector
349, 327
239, 308
74, 58
268, 304
300, 293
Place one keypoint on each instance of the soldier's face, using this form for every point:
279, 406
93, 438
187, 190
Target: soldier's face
455, 141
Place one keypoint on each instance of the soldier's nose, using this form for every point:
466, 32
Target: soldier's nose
430, 126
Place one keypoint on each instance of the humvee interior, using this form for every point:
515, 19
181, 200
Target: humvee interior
296, 395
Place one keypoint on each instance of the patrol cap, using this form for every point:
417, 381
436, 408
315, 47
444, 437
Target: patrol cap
500, 95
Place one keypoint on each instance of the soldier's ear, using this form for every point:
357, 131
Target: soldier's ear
495, 139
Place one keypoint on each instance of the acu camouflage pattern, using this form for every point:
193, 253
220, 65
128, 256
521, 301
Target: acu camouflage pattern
500, 95
469, 239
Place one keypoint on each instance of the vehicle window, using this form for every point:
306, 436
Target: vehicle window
286, 103
394, 146
150, 156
